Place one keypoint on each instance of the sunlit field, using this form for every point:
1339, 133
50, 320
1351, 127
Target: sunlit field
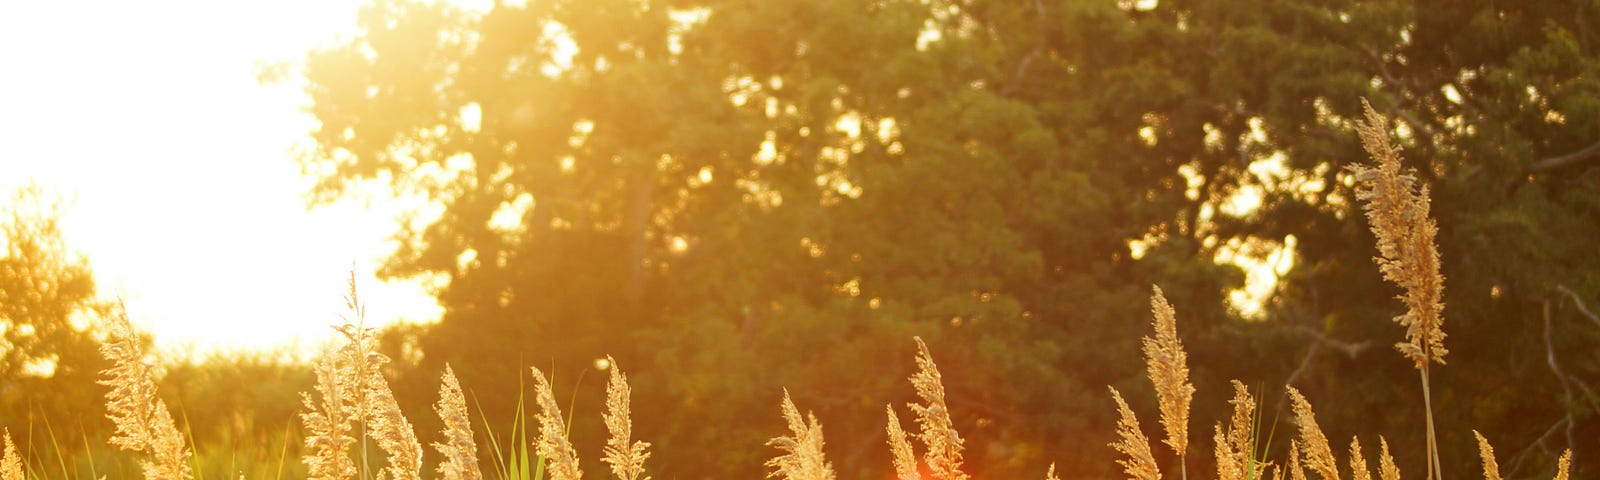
634, 239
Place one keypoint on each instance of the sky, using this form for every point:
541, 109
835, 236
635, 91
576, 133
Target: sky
175, 166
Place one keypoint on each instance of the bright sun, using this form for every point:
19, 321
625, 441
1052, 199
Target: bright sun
175, 164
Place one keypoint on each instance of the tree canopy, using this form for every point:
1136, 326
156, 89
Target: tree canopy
49, 357
733, 196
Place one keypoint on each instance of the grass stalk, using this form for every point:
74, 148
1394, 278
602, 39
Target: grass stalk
1434, 470
83, 435
1397, 211
283, 452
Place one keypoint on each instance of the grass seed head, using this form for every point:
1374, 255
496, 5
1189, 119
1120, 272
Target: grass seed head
553, 444
328, 423
939, 435
1235, 447
905, 460
1139, 464
143, 422
1407, 255
1318, 455
1358, 463
802, 457
11, 463
1168, 366
391, 431
1491, 468
459, 452
625, 456
1296, 472
1386, 468
1229, 466
345, 377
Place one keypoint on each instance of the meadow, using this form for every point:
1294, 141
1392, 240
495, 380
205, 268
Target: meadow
350, 424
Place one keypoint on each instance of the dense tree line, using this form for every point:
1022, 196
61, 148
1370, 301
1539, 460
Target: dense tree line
49, 357
732, 197
737, 196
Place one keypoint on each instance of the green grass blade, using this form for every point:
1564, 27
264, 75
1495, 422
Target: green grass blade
283, 453
523, 472
572, 402
520, 431
194, 450
60, 458
88, 453
494, 442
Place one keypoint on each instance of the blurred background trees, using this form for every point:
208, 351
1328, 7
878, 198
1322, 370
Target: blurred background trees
49, 357
732, 196
242, 406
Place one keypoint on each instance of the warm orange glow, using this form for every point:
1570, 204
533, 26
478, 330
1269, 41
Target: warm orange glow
176, 164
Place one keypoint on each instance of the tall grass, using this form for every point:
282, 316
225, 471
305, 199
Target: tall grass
625, 456
1168, 366
802, 457
552, 442
143, 422
351, 402
1397, 209
459, 451
11, 462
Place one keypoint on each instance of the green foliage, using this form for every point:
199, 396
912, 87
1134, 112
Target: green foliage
240, 411
237, 410
736, 195
512, 462
49, 358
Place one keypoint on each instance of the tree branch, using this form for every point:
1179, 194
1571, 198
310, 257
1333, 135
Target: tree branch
1350, 349
1579, 302
1539, 443
1561, 375
1545, 165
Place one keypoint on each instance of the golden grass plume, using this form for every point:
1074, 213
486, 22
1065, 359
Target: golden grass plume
1235, 446
1491, 468
1295, 471
802, 458
11, 463
1140, 464
1229, 465
328, 423
1398, 212
459, 451
390, 429
1358, 463
143, 423
905, 460
1318, 455
1386, 468
347, 378
625, 455
1168, 366
553, 444
939, 436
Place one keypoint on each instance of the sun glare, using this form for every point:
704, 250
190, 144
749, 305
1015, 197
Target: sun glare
175, 166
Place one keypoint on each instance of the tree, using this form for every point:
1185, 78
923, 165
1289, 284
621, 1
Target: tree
738, 195
49, 358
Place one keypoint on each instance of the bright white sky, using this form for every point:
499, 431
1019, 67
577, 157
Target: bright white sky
146, 117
